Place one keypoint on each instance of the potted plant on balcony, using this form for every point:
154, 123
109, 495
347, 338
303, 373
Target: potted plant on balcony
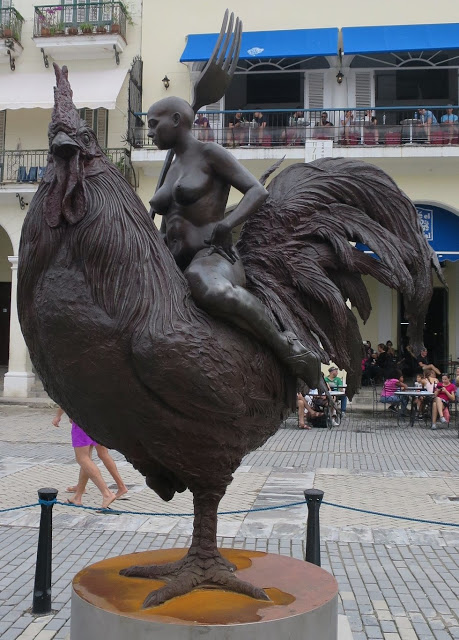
86, 27
72, 31
6, 31
60, 29
101, 28
46, 20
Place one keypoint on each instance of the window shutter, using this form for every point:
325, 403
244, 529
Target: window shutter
363, 89
102, 125
315, 97
88, 116
2, 129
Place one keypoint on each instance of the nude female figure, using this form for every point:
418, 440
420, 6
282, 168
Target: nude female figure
192, 203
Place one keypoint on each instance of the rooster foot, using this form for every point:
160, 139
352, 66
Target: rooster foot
171, 569
189, 573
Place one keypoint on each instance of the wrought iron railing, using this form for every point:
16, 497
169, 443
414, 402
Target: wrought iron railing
81, 19
391, 126
11, 23
29, 166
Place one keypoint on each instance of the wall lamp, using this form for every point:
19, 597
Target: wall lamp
339, 77
166, 82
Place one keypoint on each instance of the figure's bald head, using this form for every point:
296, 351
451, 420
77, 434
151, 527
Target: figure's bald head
170, 106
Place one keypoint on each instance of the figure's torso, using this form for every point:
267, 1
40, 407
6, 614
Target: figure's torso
191, 200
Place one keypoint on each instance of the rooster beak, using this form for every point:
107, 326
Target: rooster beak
63, 146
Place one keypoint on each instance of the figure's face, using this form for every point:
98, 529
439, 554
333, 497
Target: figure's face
333, 374
445, 380
162, 128
449, 111
424, 353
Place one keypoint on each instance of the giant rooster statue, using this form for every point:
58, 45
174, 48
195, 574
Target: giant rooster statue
120, 344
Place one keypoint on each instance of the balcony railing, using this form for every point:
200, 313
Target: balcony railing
29, 166
11, 23
390, 126
84, 18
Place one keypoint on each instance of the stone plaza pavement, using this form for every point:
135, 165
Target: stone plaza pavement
399, 580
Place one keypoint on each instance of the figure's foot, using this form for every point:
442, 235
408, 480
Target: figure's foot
121, 492
73, 489
302, 362
108, 499
76, 501
190, 572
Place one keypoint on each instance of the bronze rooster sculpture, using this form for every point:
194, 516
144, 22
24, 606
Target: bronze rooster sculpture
120, 344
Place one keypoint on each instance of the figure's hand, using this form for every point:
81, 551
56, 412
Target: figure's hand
56, 421
221, 242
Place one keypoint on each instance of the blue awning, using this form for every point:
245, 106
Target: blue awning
294, 43
441, 228
408, 37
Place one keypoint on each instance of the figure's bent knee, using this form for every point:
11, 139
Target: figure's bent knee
212, 294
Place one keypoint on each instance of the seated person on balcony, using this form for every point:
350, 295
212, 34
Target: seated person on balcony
259, 121
372, 127
236, 133
297, 119
347, 123
204, 134
323, 127
426, 121
444, 394
336, 384
393, 384
449, 123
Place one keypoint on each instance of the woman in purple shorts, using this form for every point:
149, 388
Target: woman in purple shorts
83, 445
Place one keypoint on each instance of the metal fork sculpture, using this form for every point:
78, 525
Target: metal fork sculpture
216, 75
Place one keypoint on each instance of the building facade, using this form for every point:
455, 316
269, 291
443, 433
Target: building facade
372, 73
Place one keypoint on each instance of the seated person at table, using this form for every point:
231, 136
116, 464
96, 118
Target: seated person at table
427, 120
348, 124
393, 384
305, 409
429, 381
444, 394
236, 132
334, 384
423, 363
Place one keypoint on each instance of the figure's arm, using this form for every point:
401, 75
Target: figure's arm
437, 371
58, 416
237, 176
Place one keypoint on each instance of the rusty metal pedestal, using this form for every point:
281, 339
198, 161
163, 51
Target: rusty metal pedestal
303, 602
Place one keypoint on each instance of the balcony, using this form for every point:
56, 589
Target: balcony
26, 168
87, 30
381, 132
11, 23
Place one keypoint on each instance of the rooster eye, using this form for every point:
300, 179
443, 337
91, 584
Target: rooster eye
86, 138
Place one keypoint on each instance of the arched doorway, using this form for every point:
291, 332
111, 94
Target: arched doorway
6, 249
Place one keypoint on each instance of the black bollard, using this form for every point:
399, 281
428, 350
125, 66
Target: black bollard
313, 499
42, 588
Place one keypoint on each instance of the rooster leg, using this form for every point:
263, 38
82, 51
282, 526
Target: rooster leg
203, 566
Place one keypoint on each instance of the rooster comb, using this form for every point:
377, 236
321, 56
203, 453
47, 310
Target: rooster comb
65, 115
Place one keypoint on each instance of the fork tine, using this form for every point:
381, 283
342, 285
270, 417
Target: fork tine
213, 57
229, 33
233, 56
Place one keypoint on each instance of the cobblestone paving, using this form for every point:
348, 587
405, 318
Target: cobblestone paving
398, 579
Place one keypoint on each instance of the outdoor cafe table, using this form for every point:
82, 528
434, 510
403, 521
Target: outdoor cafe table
413, 394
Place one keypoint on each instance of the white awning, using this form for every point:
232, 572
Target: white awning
91, 89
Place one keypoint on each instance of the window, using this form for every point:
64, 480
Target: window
418, 84
75, 12
5, 4
97, 120
274, 88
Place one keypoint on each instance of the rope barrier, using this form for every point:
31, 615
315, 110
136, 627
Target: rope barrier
226, 513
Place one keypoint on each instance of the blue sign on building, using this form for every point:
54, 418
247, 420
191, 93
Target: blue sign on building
426, 221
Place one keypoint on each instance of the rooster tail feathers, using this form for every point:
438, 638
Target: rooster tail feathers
300, 259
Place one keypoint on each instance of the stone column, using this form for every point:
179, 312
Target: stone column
19, 379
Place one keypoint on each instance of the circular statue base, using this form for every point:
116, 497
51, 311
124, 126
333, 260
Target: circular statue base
303, 603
